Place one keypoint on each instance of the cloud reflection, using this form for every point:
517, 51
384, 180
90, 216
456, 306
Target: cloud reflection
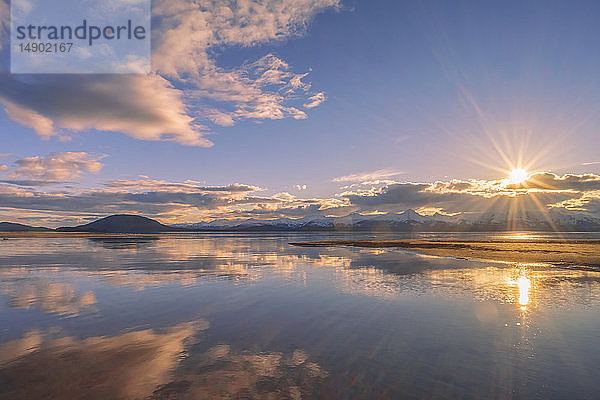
38, 292
189, 260
150, 364
127, 366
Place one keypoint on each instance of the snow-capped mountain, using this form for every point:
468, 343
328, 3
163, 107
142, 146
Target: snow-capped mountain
410, 220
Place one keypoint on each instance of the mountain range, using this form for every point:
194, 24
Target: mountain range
407, 221
410, 220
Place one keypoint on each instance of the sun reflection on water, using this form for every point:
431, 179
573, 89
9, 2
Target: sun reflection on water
524, 284
521, 236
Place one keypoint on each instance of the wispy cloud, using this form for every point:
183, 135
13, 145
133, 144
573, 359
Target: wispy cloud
591, 163
315, 100
369, 176
140, 185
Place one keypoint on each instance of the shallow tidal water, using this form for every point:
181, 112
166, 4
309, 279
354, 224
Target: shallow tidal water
250, 316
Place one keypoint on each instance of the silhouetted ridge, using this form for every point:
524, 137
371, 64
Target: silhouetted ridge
122, 223
11, 227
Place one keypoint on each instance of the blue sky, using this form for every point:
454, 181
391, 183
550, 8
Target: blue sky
419, 91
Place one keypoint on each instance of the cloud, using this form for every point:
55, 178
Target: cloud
193, 201
4, 23
550, 181
591, 163
185, 30
43, 126
187, 91
169, 202
142, 106
542, 191
56, 167
189, 186
369, 176
315, 100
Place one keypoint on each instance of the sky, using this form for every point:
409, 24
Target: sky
306, 108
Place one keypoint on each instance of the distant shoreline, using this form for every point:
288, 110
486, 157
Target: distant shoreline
558, 252
555, 251
55, 234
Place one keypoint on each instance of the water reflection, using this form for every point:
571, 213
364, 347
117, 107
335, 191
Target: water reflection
149, 364
286, 322
148, 262
27, 290
524, 284
125, 366
119, 243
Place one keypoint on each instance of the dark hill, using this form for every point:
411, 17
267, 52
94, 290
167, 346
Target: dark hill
122, 223
11, 227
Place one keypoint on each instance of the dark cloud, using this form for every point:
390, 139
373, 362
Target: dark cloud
483, 197
550, 181
405, 194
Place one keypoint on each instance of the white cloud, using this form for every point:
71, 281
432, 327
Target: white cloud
57, 167
43, 126
259, 90
369, 176
315, 100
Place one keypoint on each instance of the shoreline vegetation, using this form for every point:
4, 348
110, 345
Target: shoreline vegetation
557, 252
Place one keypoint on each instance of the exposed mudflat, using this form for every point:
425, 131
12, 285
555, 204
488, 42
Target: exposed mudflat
582, 253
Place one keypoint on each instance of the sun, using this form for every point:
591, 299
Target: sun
518, 175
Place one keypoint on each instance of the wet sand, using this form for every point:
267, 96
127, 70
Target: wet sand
564, 253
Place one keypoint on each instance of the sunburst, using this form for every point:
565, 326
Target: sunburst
517, 176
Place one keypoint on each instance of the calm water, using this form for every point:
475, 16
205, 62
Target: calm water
249, 316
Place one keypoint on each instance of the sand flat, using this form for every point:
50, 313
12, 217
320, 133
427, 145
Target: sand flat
574, 252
